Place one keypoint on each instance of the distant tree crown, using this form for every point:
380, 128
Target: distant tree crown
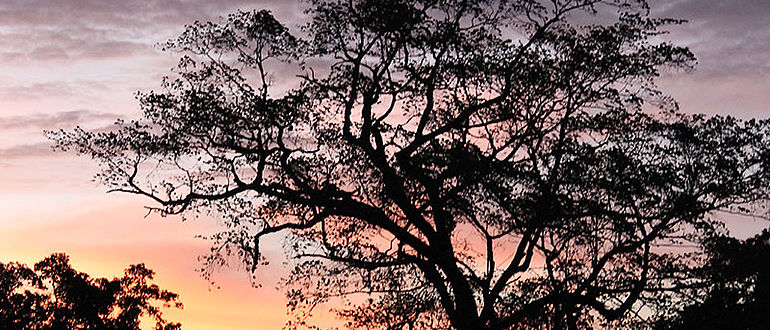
53, 295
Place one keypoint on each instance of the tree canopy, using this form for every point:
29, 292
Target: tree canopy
53, 295
475, 164
737, 294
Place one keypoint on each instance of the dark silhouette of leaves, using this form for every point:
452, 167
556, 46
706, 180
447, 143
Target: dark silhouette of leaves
737, 294
55, 296
472, 164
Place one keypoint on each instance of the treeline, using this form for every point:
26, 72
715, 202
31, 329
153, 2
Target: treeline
53, 295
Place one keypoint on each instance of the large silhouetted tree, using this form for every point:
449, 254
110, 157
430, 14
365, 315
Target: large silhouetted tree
477, 164
55, 296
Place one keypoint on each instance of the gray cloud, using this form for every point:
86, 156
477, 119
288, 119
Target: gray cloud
56, 120
730, 38
41, 30
50, 89
24, 133
42, 149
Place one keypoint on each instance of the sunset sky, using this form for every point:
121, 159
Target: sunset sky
66, 63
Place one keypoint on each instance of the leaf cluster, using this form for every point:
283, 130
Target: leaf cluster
53, 295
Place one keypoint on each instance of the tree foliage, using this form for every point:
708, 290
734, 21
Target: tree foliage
737, 290
53, 295
478, 164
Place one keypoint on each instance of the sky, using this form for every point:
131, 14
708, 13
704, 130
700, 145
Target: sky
72, 62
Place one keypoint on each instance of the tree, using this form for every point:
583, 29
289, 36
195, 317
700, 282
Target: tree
56, 296
474, 164
738, 292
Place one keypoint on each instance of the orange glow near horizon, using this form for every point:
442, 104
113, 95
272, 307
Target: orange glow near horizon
104, 240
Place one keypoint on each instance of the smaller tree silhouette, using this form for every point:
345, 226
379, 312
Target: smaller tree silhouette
53, 295
737, 291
